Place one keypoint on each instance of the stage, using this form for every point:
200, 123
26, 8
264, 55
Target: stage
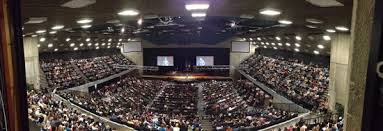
185, 77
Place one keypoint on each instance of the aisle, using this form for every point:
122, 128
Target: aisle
205, 122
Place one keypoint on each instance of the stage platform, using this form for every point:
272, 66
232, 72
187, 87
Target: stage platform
186, 77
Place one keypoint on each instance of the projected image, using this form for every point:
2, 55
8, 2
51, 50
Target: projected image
165, 61
205, 60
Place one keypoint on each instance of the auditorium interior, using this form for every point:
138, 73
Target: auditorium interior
191, 65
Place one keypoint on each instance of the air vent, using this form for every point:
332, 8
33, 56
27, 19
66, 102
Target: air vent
78, 3
36, 20
325, 3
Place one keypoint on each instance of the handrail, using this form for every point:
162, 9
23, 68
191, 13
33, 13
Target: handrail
92, 114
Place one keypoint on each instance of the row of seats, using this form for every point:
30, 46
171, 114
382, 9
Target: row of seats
240, 105
305, 84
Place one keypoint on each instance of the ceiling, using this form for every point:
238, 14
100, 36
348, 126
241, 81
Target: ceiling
184, 29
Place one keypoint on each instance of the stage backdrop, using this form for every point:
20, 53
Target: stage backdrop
185, 56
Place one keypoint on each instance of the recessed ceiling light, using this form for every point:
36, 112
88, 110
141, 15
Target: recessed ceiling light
110, 39
286, 22
84, 21
320, 46
197, 6
41, 31
275, 48
122, 29
87, 39
50, 45
139, 21
119, 39
267, 43
89, 44
277, 38
129, 12
82, 44
109, 43
311, 26
96, 44
296, 50
330, 30
56, 49
297, 45
72, 44
270, 12
288, 44
316, 52
42, 39
67, 39
108, 47
97, 47
326, 37
262, 43
103, 44
280, 44
78, 3
57, 27
36, 20
33, 35
86, 26
259, 38
298, 38
52, 32
265, 47
314, 21
75, 48
341, 28
273, 43
198, 14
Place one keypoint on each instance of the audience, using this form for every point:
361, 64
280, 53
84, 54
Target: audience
326, 125
52, 115
305, 84
249, 107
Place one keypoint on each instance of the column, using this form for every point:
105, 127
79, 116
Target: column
340, 46
32, 66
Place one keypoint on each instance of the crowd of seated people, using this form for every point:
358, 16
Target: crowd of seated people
178, 101
326, 125
61, 74
100, 67
52, 115
126, 100
305, 84
230, 108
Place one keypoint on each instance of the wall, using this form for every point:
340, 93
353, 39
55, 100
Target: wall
237, 58
338, 69
32, 66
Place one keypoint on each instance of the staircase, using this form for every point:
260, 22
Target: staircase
147, 107
205, 122
43, 79
79, 72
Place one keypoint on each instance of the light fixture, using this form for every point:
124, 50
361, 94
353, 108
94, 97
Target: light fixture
41, 31
129, 12
273, 43
320, 46
122, 29
251, 39
275, 48
109, 43
110, 39
57, 27
314, 21
296, 50
311, 26
139, 21
265, 47
86, 26
267, 43
288, 44
96, 44
75, 48
298, 38
42, 39
262, 43
89, 44
67, 39
38, 45
331, 30
108, 47
286, 22
277, 38
82, 44
326, 37
103, 44
316, 52
72, 44
50, 45
341, 28
197, 6
33, 35
297, 45
119, 39
198, 14
87, 39
56, 49
84, 21
280, 44
52, 32
259, 38
270, 12
97, 47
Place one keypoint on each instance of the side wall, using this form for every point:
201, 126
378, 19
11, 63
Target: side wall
31, 55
